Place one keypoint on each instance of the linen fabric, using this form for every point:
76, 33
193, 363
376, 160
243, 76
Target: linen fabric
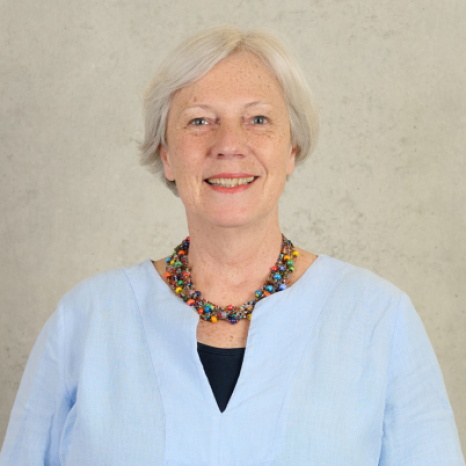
337, 370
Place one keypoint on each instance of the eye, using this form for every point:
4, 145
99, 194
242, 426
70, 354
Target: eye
259, 120
198, 121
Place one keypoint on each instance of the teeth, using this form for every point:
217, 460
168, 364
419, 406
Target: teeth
230, 182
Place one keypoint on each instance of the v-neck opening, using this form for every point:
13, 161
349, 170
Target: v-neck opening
204, 380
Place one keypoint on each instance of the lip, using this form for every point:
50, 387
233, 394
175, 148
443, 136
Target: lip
231, 175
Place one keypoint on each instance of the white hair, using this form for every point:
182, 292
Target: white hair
196, 56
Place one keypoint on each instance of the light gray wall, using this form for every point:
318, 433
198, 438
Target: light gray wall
385, 189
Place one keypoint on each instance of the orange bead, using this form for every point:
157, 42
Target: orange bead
190, 302
213, 318
168, 274
181, 252
286, 258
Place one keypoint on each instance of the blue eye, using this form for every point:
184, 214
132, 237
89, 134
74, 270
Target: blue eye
259, 120
198, 121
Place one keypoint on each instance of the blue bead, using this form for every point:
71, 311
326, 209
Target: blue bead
277, 276
198, 294
168, 259
258, 293
282, 267
207, 308
233, 320
281, 287
185, 245
269, 288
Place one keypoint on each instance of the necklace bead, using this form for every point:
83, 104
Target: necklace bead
178, 277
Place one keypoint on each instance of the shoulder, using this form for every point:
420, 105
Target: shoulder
110, 289
360, 285
94, 285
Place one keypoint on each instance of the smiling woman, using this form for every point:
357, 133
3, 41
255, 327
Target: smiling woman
267, 59
239, 348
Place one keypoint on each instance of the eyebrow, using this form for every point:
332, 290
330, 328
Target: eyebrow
209, 107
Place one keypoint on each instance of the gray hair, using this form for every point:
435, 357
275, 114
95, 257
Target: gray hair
196, 56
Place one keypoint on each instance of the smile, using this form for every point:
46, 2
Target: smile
230, 185
230, 182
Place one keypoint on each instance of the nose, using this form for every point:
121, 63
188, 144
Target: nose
230, 139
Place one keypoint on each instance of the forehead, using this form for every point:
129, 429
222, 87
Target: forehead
240, 77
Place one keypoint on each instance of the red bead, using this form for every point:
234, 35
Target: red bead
274, 269
230, 307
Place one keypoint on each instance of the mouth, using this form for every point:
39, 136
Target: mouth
227, 183
222, 185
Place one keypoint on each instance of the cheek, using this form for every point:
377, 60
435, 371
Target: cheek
275, 147
188, 158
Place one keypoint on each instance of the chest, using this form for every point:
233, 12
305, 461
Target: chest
223, 334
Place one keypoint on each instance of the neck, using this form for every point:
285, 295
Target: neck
233, 260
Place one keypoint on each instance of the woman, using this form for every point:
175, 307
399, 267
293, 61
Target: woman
144, 364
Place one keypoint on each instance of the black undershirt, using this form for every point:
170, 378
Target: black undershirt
222, 367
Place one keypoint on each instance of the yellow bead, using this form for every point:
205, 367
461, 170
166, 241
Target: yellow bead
179, 289
213, 318
249, 316
286, 258
295, 253
172, 262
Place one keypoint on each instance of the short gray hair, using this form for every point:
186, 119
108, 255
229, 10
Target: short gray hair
196, 56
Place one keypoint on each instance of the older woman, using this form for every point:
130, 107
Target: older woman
239, 348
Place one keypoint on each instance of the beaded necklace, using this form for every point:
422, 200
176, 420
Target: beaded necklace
178, 277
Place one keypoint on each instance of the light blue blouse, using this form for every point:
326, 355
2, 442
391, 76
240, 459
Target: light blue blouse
338, 370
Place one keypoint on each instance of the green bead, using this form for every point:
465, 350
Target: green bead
291, 269
290, 262
180, 282
178, 264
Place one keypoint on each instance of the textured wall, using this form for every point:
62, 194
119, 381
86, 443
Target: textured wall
385, 189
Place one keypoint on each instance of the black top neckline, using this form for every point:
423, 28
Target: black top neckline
220, 351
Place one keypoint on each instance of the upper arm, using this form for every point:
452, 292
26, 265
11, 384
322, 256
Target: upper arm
42, 402
419, 426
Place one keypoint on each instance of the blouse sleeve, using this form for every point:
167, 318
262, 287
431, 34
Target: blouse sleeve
42, 402
419, 426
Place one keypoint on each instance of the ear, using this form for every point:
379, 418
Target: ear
291, 161
167, 168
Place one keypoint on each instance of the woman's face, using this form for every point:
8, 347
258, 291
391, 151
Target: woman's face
233, 122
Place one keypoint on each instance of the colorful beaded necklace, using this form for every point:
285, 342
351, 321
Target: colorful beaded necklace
178, 277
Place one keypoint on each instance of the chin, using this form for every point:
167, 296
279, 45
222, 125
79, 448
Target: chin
230, 218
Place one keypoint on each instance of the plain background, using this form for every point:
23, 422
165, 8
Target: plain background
384, 190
